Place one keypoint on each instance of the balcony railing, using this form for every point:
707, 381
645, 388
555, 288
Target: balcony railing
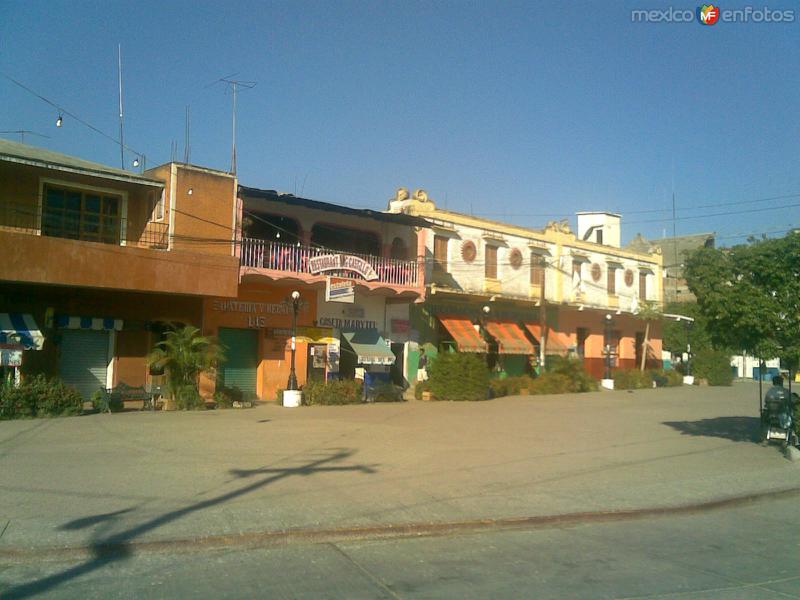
83, 226
277, 256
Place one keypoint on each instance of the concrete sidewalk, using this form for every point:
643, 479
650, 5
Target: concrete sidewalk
126, 479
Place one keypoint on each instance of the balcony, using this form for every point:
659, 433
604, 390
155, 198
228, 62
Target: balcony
74, 225
288, 258
105, 252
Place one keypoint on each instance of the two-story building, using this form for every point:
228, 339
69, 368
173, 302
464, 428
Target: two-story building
96, 261
357, 272
521, 294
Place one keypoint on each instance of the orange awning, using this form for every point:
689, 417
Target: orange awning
556, 343
510, 338
463, 332
535, 330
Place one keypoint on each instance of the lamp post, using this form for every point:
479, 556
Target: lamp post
608, 324
292, 385
689, 325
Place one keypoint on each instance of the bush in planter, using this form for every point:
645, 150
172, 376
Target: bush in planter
574, 370
39, 397
459, 376
349, 391
422, 386
632, 379
713, 366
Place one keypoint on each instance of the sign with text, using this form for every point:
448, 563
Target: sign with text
341, 262
339, 289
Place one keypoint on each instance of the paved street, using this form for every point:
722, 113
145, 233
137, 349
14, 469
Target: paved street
318, 502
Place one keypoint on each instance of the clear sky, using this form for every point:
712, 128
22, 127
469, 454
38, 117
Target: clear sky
518, 111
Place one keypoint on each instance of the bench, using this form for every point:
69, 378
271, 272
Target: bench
123, 396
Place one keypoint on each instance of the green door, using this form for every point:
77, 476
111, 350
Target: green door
241, 359
84, 360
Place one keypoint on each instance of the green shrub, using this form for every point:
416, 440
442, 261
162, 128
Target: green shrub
39, 397
349, 391
224, 397
714, 366
579, 378
459, 376
552, 383
188, 398
511, 386
422, 386
104, 403
632, 379
666, 378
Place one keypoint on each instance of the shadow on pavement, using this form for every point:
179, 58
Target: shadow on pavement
736, 429
118, 546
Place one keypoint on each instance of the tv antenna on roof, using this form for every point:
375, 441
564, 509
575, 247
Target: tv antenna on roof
235, 85
22, 133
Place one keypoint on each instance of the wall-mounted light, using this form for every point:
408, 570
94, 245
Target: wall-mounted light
59, 120
190, 192
135, 162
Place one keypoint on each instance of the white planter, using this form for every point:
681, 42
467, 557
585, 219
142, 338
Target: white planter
292, 398
607, 384
688, 380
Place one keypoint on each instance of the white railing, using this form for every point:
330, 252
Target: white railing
276, 256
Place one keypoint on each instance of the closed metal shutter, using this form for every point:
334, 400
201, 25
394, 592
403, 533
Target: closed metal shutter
241, 359
84, 360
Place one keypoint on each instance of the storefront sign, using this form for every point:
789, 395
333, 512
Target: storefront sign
342, 262
262, 308
401, 325
339, 289
349, 324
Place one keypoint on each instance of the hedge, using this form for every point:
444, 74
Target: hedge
459, 376
714, 366
39, 397
632, 379
333, 392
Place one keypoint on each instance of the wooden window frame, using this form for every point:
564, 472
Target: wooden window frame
105, 234
490, 267
441, 245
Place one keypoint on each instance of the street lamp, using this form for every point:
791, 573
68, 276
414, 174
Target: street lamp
608, 325
689, 325
292, 385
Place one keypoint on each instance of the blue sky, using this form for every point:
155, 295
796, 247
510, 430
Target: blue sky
518, 111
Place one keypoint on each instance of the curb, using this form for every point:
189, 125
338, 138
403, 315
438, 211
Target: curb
267, 539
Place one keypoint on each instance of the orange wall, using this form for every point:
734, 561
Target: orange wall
41, 259
274, 351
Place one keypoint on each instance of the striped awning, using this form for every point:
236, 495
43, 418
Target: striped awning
463, 332
556, 343
98, 324
510, 338
18, 329
535, 329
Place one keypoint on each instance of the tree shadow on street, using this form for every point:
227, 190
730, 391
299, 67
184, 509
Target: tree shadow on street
107, 549
736, 429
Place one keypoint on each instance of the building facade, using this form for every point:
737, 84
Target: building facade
520, 295
356, 271
102, 260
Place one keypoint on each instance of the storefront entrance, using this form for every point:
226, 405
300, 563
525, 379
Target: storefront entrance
84, 360
241, 359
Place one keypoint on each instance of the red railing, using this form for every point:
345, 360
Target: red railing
276, 256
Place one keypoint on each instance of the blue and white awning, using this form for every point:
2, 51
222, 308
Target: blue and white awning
67, 322
17, 329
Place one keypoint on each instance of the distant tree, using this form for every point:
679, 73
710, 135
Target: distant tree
677, 334
750, 296
648, 312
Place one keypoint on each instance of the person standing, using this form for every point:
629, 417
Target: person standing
422, 366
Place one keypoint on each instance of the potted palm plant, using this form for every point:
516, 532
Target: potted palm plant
183, 355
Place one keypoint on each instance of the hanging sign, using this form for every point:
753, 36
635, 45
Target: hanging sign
11, 358
341, 262
340, 289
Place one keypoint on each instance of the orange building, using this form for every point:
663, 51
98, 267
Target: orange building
101, 259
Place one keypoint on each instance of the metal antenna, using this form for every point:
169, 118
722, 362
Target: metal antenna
235, 85
187, 149
121, 112
22, 133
